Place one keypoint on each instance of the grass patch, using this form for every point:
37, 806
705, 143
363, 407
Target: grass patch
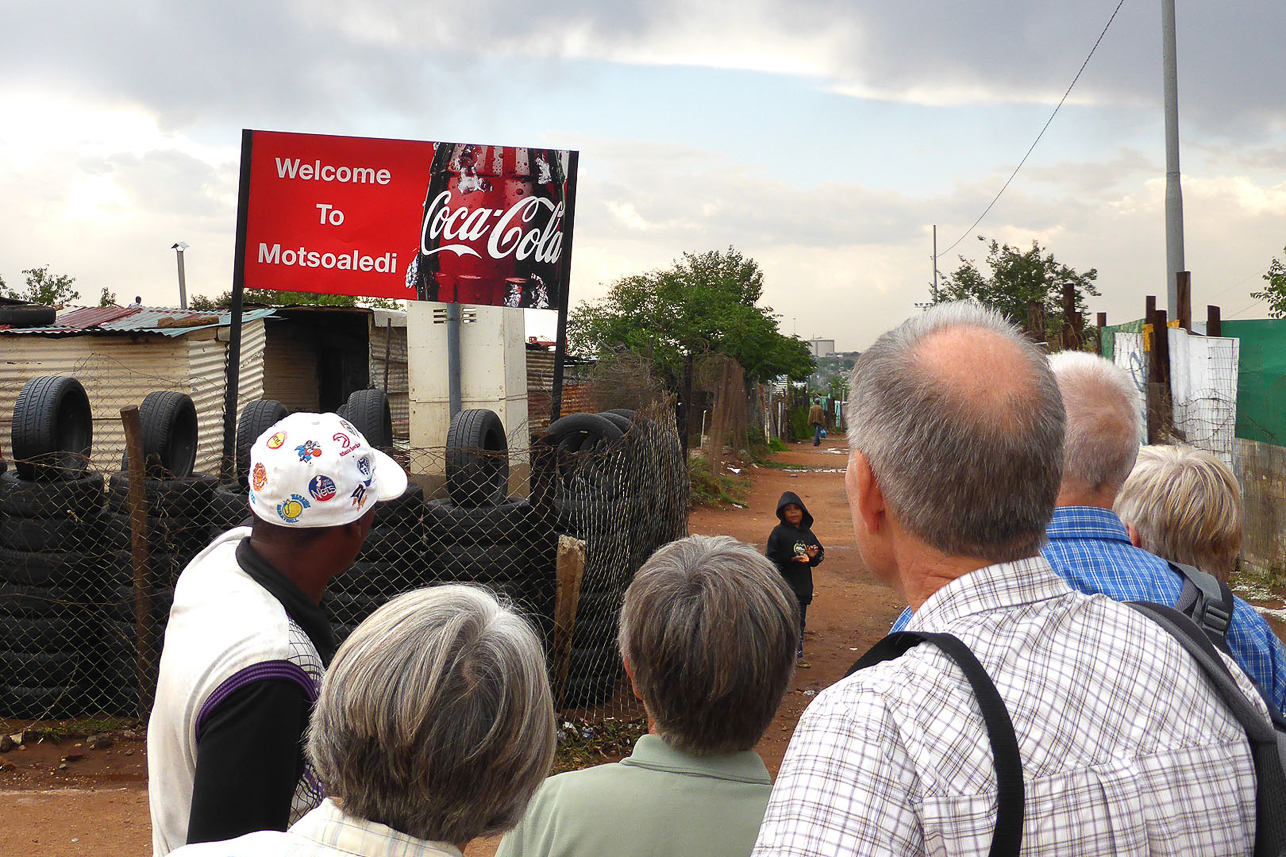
722, 488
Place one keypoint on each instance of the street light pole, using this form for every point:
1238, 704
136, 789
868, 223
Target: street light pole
1173, 191
183, 286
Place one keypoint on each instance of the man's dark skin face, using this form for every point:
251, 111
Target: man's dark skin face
311, 560
793, 514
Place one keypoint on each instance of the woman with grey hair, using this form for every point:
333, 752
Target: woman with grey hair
434, 726
708, 634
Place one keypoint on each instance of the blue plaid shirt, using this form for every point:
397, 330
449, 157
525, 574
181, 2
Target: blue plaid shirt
1090, 549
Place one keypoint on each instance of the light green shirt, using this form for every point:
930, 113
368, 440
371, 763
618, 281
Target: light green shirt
659, 801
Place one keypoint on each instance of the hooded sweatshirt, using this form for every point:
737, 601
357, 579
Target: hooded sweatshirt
786, 542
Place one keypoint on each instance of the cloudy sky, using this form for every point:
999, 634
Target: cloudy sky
822, 138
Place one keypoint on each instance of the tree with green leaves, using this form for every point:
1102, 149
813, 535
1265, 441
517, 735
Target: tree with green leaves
703, 304
272, 297
106, 297
1017, 278
1274, 294
45, 288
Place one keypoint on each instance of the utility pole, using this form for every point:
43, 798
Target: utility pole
1173, 192
183, 286
935, 263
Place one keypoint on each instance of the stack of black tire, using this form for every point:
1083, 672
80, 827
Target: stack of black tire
478, 533
177, 503
392, 559
593, 502
49, 521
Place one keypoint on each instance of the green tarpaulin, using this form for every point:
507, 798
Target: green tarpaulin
1261, 379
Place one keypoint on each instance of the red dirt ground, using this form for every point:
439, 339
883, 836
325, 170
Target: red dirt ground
98, 804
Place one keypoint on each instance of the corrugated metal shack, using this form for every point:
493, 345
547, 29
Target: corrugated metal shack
120, 354
315, 357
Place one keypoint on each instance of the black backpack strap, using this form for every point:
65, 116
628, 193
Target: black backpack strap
1267, 744
1207, 600
1000, 729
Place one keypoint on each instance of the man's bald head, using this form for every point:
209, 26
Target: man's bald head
1103, 426
962, 424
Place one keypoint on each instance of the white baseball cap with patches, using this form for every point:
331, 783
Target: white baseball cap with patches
316, 470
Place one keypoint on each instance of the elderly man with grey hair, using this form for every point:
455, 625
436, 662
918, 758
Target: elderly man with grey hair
434, 726
708, 632
1088, 545
956, 436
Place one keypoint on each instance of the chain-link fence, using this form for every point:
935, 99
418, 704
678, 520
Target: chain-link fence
558, 526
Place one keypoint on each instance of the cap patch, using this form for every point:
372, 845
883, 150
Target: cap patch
290, 510
308, 450
259, 476
277, 440
322, 488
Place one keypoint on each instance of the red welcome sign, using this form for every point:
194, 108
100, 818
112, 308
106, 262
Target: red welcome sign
456, 222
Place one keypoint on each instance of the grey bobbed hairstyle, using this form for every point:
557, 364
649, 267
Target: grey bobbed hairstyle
1103, 421
969, 474
709, 628
435, 717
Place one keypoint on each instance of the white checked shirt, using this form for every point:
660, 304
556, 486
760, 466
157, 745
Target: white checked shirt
324, 832
1125, 748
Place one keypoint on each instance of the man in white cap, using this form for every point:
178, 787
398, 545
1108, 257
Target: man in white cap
247, 642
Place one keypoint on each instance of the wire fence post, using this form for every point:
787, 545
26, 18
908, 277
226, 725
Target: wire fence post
146, 662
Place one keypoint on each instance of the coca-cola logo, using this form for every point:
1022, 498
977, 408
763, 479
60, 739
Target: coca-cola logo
506, 227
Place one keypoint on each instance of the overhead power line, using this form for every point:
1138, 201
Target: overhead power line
1042, 130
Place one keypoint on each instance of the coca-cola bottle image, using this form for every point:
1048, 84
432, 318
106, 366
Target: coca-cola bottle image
491, 232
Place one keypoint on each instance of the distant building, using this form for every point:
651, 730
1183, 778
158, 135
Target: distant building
821, 347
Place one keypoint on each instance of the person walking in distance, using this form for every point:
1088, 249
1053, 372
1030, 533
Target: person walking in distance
817, 419
796, 552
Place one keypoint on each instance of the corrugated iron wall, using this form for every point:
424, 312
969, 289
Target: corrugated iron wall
393, 340
117, 371
290, 365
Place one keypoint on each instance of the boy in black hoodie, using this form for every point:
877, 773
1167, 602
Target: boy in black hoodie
795, 550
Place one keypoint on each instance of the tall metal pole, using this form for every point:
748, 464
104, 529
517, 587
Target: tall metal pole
183, 284
453, 358
935, 263
1173, 192
227, 469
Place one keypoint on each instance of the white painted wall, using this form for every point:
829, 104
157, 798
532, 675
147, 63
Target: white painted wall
493, 372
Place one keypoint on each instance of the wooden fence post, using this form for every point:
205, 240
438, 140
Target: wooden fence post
1214, 321
1100, 322
1184, 281
145, 664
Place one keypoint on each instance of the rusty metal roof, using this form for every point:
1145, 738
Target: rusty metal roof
124, 320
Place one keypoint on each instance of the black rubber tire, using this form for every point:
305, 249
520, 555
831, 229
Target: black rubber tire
65, 498
53, 429
40, 535
256, 418
477, 458
40, 669
512, 522
369, 412
374, 578
168, 535
345, 608
41, 634
169, 425
490, 564
41, 703
582, 431
622, 412
186, 497
116, 570
617, 420
229, 506
405, 509
396, 543
120, 607
65, 569
18, 600
27, 315
587, 691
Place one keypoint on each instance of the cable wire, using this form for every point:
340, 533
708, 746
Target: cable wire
1042, 130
